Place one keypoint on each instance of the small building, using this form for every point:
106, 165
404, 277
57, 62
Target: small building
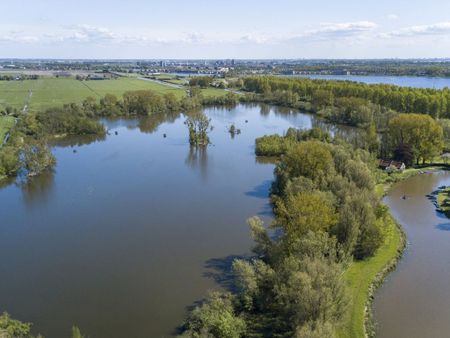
390, 165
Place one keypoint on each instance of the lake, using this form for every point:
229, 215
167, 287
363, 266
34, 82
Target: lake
414, 300
127, 232
403, 81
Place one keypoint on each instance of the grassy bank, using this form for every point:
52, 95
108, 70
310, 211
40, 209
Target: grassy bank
6, 123
363, 277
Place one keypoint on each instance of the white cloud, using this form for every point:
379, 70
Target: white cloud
440, 28
351, 32
341, 29
18, 37
392, 16
86, 34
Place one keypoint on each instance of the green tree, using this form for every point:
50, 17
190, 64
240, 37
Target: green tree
36, 157
198, 125
11, 328
76, 333
9, 161
215, 318
303, 212
311, 159
423, 134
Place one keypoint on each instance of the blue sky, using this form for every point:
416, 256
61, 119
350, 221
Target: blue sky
225, 29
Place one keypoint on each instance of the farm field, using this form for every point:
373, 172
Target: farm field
47, 92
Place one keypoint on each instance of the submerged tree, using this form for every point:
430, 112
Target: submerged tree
36, 157
198, 125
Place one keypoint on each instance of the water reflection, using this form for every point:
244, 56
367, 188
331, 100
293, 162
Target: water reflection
150, 124
264, 110
221, 270
76, 140
36, 191
443, 226
197, 159
266, 159
349, 134
260, 191
6, 181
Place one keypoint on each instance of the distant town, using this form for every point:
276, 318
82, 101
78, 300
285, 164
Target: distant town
228, 67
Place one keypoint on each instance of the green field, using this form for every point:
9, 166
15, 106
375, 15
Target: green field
6, 123
48, 92
214, 92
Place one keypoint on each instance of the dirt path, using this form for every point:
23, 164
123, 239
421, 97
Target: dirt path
27, 102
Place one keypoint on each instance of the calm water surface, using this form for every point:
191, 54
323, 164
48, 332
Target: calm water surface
403, 81
129, 231
414, 301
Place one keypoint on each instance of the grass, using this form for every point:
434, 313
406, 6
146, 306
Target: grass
360, 277
6, 123
214, 92
50, 91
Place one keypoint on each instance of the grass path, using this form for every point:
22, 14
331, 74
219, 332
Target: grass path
363, 276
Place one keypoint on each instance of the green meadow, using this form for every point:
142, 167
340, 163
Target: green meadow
49, 91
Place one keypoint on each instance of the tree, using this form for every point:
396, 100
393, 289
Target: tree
372, 142
198, 125
303, 212
322, 98
311, 159
420, 132
13, 328
404, 153
309, 290
215, 318
76, 333
36, 157
9, 161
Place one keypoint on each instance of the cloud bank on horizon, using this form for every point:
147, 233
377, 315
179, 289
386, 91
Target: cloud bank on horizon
231, 29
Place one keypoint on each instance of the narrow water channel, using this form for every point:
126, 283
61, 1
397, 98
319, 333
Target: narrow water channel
414, 301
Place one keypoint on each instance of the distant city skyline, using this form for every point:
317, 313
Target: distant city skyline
200, 29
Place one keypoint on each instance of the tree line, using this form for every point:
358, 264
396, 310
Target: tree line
326, 93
